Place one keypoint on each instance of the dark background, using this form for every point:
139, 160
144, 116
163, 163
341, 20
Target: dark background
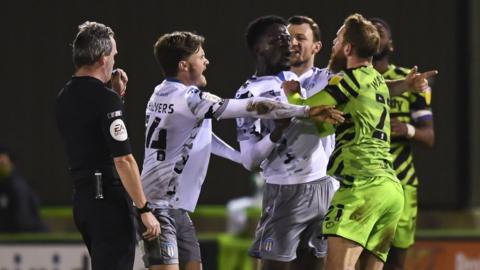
36, 62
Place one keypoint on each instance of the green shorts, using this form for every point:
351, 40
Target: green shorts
405, 233
367, 214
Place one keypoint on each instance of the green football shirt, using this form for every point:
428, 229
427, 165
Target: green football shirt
362, 147
410, 107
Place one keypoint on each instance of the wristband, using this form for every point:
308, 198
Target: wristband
410, 131
307, 111
146, 208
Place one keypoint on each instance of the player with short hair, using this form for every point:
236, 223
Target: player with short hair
179, 140
291, 156
362, 215
411, 120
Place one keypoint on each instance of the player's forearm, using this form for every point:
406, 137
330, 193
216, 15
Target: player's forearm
424, 135
254, 153
397, 87
222, 149
320, 98
259, 107
128, 171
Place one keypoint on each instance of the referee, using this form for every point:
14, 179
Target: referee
90, 118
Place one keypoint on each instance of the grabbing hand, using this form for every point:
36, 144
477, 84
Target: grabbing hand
119, 81
326, 113
291, 87
418, 81
398, 129
152, 226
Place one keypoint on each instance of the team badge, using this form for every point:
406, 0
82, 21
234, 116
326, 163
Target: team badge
118, 130
268, 245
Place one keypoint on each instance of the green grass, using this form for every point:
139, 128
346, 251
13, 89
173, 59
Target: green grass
56, 212
39, 237
448, 233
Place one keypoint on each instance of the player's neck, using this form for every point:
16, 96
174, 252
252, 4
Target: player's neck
381, 65
354, 62
92, 71
265, 70
183, 78
304, 67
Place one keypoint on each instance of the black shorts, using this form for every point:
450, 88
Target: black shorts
177, 240
107, 227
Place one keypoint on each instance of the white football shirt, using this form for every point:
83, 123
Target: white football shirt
299, 156
178, 138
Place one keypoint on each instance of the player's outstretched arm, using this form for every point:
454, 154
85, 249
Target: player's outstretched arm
206, 105
222, 149
415, 81
260, 107
322, 104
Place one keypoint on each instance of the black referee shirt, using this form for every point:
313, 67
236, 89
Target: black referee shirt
91, 120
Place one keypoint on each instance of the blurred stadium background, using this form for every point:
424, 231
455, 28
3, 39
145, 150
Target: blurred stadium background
36, 61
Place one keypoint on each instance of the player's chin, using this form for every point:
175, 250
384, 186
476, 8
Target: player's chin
202, 81
285, 65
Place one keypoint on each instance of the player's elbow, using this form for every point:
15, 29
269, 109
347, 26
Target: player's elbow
248, 163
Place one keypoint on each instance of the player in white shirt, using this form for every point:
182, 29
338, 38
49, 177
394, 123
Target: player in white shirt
291, 156
179, 141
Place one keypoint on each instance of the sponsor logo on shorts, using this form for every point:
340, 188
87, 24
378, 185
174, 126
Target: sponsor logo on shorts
168, 249
118, 130
268, 245
329, 224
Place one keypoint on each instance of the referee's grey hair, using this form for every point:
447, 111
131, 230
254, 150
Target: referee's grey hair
91, 42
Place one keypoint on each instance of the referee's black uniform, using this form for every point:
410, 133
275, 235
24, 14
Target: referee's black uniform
90, 118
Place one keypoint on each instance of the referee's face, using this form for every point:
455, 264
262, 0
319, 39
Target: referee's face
111, 60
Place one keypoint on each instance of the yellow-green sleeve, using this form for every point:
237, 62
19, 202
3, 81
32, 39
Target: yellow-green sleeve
320, 98
324, 129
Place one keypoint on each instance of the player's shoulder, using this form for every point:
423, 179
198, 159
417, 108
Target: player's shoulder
336, 78
401, 71
287, 76
109, 96
395, 72
193, 93
257, 85
192, 90
166, 89
423, 98
251, 86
